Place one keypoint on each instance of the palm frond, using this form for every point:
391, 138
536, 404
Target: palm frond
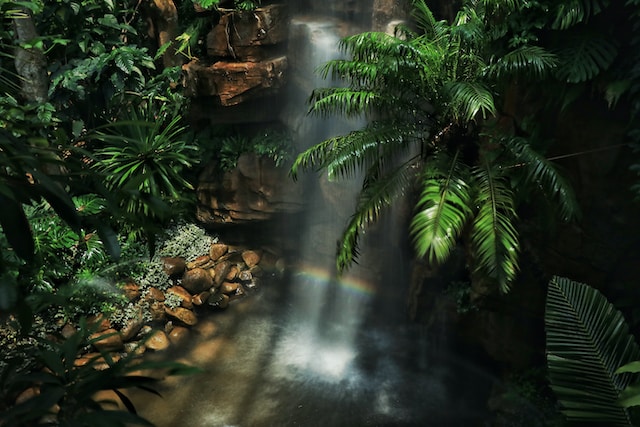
425, 20
494, 238
344, 101
527, 61
587, 341
345, 155
544, 173
468, 99
585, 56
378, 192
443, 208
571, 12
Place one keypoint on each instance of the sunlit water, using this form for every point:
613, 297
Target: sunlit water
312, 351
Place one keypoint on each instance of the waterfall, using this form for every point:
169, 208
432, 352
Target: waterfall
315, 348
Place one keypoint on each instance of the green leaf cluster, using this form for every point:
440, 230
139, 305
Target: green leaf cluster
432, 98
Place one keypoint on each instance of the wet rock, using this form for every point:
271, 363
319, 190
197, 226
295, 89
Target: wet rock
201, 298
245, 276
156, 310
251, 258
174, 266
154, 294
132, 327
106, 340
219, 272
183, 315
27, 394
197, 280
232, 274
183, 294
178, 335
218, 300
217, 250
157, 341
228, 287
135, 348
198, 262
131, 291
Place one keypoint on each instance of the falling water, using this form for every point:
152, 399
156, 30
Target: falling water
317, 349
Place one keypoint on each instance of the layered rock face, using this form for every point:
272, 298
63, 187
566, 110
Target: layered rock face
255, 190
246, 57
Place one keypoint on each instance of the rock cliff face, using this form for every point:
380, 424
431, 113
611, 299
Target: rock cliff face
246, 57
255, 190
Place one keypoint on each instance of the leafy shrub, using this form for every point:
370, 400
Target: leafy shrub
72, 387
143, 160
272, 143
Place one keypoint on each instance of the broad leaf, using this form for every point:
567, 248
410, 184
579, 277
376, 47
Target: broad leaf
587, 340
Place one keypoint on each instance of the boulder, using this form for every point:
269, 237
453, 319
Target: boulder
217, 250
157, 341
251, 258
178, 335
183, 315
107, 340
197, 280
174, 266
183, 294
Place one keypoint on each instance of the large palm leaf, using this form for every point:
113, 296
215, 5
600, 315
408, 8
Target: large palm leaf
379, 191
493, 236
442, 209
587, 341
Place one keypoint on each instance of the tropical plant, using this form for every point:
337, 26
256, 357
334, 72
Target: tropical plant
588, 340
431, 98
143, 162
67, 391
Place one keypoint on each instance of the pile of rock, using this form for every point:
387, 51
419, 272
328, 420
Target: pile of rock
163, 318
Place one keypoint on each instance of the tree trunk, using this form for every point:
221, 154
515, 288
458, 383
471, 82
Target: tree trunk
30, 63
164, 17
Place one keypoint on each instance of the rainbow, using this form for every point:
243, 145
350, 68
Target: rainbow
317, 275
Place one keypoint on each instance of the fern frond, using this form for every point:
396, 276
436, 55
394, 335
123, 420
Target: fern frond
443, 208
571, 12
468, 99
378, 193
543, 173
494, 238
527, 61
584, 57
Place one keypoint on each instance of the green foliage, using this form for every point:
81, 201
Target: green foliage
72, 387
237, 4
435, 92
143, 162
227, 146
587, 341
